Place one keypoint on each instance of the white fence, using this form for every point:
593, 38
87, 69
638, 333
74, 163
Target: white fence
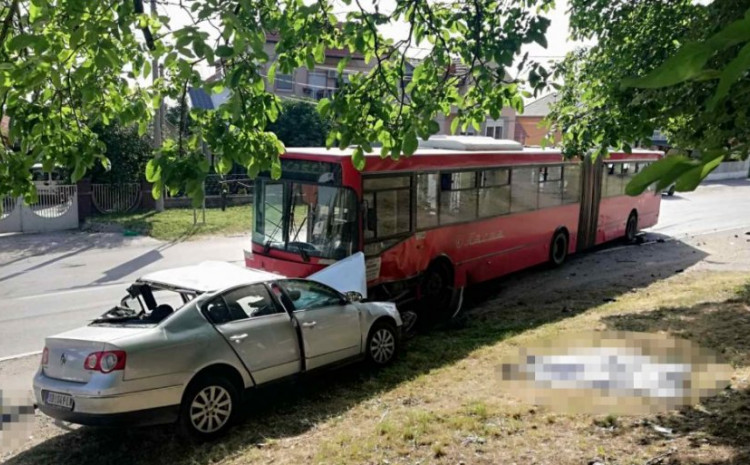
730, 170
56, 209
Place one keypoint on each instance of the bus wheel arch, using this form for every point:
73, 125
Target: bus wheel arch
559, 246
631, 226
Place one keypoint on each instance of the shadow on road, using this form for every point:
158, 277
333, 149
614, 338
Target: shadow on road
22, 246
495, 311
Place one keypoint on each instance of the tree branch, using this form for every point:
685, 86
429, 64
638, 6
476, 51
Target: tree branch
7, 21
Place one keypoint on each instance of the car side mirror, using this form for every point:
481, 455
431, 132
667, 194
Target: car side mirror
353, 296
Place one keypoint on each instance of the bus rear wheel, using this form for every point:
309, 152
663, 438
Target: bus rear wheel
558, 250
631, 228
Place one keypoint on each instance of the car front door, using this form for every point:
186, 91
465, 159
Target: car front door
261, 333
330, 327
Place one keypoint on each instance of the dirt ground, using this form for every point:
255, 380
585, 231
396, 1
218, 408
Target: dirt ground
435, 406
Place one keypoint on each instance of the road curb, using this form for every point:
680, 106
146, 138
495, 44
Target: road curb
16, 357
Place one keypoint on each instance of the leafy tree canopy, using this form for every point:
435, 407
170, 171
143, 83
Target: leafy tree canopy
300, 125
671, 65
126, 151
68, 64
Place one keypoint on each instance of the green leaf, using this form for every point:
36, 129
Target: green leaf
22, 41
662, 171
410, 143
689, 180
156, 190
689, 60
358, 158
731, 74
153, 171
271, 74
224, 51
276, 169
324, 105
685, 64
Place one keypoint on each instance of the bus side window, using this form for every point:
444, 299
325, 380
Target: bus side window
459, 203
427, 200
390, 199
550, 186
571, 184
494, 192
523, 190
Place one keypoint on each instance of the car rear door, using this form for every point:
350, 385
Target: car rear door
261, 333
330, 327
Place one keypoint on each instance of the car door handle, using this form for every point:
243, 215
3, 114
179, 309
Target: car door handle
310, 324
238, 338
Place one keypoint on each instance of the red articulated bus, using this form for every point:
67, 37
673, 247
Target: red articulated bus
460, 210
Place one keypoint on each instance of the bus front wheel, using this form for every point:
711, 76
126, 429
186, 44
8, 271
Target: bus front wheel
558, 250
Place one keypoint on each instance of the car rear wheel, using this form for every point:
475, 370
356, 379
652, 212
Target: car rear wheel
208, 408
382, 344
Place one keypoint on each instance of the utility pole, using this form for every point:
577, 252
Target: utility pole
156, 71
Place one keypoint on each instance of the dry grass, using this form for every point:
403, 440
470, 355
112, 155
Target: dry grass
441, 402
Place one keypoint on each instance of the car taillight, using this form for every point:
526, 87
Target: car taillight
45, 357
105, 362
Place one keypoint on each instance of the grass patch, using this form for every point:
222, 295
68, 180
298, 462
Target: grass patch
177, 223
440, 403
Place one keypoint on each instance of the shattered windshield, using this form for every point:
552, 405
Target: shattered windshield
313, 220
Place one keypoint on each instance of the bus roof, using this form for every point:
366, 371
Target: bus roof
425, 151
454, 145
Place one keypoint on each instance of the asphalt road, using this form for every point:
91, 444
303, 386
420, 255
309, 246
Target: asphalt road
53, 282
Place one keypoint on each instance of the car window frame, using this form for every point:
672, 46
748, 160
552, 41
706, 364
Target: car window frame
279, 307
342, 298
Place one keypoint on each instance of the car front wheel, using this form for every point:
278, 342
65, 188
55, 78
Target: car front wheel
208, 408
382, 344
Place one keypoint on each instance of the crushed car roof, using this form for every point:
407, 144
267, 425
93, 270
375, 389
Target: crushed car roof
208, 276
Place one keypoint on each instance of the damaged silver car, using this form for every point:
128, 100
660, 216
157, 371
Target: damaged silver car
185, 344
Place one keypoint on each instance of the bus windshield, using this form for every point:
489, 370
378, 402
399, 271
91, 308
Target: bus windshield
313, 220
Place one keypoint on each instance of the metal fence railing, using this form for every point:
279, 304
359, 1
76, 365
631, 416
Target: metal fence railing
229, 184
115, 198
53, 201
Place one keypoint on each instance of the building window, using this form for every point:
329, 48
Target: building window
317, 82
494, 130
284, 82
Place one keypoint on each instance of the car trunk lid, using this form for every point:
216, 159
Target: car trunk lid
66, 352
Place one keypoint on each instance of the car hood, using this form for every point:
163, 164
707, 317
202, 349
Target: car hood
345, 275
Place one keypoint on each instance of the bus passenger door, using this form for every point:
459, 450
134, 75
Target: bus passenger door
591, 188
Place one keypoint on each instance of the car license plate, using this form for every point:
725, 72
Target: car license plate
59, 400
